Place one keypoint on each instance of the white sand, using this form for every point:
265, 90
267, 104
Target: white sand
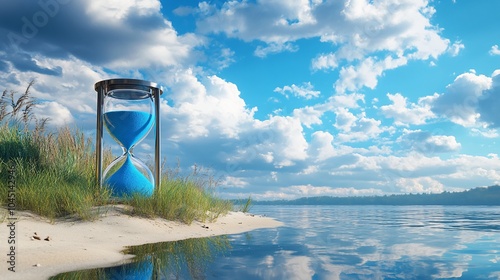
76, 245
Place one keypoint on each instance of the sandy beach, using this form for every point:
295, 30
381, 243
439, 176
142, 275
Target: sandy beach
75, 245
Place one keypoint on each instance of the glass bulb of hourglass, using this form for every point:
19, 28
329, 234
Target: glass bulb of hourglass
128, 117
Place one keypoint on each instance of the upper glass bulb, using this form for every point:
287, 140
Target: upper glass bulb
128, 115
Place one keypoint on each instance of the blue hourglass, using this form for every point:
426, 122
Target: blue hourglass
128, 112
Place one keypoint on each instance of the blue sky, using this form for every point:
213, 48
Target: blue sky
281, 99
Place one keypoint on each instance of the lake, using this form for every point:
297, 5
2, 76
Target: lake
333, 242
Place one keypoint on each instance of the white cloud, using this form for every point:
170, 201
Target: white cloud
488, 133
325, 61
414, 165
376, 172
455, 49
478, 169
286, 140
494, 50
357, 29
225, 59
359, 24
320, 147
344, 119
425, 142
405, 114
273, 48
366, 73
460, 100
118, 10
57, 114
70, 95
350, 100
310, 190
357, 128
419, 185
308, 116
202, 107
121, 35
306, 91
235, 182
209, 112
489, 101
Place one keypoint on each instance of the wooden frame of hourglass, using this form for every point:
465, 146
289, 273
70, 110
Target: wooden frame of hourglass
106, 86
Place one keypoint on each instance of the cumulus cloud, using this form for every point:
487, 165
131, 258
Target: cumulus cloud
26, 63
478, 168
357, 29
405, 114
202, 107
460, 100
286, 140
72, 89
366, 73
234, 182
121, 34
209, 112
309, 190
325, 61
372, 172
344, 119
273, 48
419, 185
321, 147
308, 116
350, 100
425, 142
298, 191
57, 114
489, 101
356, 128
306, 90
494, 50
366, 25
471, 101
455, 48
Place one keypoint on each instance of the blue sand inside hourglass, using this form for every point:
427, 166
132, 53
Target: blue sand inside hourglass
128, 127
127, 180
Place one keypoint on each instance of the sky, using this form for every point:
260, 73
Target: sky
280, 99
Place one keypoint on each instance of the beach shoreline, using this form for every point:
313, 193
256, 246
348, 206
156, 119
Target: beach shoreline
44, 249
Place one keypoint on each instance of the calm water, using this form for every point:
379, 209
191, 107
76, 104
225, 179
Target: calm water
336, 242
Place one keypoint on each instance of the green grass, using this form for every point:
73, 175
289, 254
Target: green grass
55, 173
182, 200
247, 205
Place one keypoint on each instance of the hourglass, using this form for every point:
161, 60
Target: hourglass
128, 108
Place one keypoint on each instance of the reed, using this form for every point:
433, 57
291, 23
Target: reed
245, 207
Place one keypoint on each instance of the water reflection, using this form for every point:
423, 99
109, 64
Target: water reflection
341, 242
185, 259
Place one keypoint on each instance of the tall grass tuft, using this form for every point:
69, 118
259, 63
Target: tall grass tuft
181, 199
55, 172
245, 207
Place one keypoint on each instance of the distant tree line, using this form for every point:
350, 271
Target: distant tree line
477, 196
